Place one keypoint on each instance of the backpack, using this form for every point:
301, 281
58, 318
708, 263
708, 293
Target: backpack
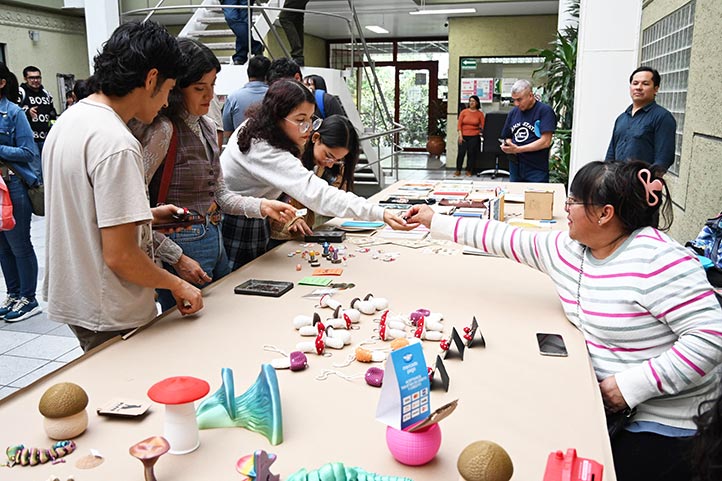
709, 244
7, 221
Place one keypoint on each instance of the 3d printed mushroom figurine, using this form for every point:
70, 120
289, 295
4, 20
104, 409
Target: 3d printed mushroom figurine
149, 451
178, 394
258, 409
63, 407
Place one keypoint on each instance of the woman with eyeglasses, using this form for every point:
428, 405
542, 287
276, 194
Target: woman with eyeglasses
195, 179
262, 160
331, 153
651, 319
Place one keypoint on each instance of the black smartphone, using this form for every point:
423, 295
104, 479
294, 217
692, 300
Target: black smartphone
259, 287
551, 344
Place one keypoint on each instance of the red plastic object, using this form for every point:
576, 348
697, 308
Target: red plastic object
178, 390
569, 467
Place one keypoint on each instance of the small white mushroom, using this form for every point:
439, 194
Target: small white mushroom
281, 363
364, 306
309, 331
327, 301
353, 314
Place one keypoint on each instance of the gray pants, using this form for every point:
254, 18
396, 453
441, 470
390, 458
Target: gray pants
292, 23
89, 339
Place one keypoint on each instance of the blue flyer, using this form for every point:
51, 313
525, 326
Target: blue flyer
404, 399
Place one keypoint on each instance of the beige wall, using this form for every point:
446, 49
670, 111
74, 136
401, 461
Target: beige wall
696, 191
488, 36
61, 48
314, 48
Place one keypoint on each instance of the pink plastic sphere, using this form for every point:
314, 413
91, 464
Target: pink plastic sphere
414, 449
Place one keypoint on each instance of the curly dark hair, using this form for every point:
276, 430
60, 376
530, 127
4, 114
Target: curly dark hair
264, 118
336, 131
131, 52
199, 61
616, 183
707, 443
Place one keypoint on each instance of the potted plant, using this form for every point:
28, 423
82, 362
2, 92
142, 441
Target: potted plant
436, 143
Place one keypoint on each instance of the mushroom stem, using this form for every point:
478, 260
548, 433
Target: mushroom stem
148, 469
181, 428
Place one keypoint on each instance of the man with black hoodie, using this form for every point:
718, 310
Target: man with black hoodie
38, 106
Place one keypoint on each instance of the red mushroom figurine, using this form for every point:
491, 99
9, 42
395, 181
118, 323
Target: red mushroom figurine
382, 328
178, 394
320, 344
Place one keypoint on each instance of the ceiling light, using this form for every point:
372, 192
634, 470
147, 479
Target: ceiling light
443, 11
376, 29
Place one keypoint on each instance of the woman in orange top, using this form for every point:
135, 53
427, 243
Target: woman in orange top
471, 121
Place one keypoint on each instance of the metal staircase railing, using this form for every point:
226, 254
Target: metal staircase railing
261, 21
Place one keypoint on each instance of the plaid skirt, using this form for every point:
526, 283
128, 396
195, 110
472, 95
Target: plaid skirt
244, 239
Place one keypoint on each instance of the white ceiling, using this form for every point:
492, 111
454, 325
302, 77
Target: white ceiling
393, 15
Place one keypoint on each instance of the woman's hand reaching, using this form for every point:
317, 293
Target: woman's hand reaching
419, 214
277, 210
396, 222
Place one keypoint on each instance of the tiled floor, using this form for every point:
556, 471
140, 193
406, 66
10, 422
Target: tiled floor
37, 346
34, 347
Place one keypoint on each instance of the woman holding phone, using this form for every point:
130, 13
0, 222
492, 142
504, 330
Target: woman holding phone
184, 137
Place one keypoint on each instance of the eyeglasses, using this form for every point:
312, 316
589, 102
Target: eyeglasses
305, 125
330, 159
572, 201
35, 77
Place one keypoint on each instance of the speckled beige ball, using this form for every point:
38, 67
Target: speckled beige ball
485, 461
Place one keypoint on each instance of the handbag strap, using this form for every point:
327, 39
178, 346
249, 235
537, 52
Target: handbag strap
168, 166
22, 179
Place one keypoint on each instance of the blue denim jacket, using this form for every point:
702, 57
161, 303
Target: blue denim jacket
17, 145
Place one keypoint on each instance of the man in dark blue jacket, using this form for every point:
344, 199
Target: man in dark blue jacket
646, 130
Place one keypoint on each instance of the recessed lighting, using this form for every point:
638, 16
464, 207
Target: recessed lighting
442, 11
376, 29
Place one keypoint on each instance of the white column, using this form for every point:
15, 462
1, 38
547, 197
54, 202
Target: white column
102, 17
564, 19
608, 51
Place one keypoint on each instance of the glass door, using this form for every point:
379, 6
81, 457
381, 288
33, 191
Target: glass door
416, 87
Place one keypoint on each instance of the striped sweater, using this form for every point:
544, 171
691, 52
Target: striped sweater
647, 312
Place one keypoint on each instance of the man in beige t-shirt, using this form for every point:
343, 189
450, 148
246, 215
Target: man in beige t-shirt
100, 273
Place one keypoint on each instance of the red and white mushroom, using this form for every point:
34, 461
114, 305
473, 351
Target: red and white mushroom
178, 394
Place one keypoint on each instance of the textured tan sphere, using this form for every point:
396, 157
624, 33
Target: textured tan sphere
63, 399
485, 461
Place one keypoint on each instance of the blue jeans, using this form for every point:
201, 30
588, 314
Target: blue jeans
204, 244
17, 256
523, 172
237, 20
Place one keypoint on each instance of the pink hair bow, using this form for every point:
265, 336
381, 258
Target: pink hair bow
644, 176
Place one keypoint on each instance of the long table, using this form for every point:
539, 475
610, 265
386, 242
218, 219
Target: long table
508, 393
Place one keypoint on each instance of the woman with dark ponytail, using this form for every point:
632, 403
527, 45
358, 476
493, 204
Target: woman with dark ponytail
17, 153
262, 160
331, 153
650, 317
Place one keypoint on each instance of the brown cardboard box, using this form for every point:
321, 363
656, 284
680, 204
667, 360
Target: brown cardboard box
538, 204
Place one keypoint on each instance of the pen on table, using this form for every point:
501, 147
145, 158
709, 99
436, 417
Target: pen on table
552, 221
